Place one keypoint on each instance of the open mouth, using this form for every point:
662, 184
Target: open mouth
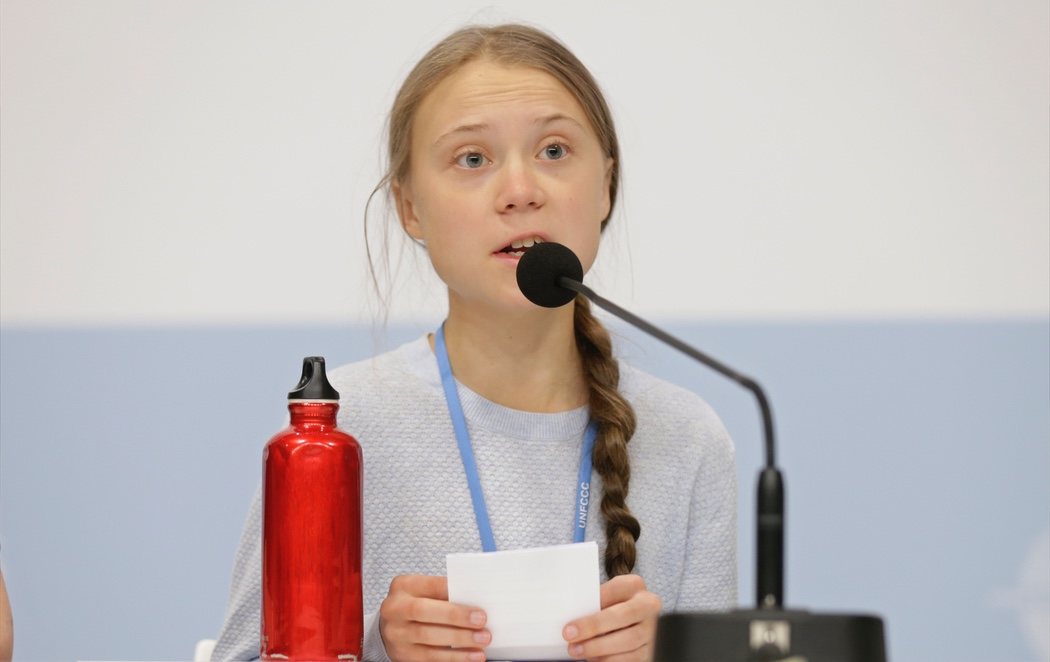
518, 247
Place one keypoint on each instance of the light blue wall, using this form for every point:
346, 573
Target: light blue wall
917, 457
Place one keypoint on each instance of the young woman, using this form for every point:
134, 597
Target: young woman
500, 138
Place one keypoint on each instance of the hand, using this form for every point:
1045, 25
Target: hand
624, 630
419, 624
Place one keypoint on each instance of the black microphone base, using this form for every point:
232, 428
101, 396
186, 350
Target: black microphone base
768, 635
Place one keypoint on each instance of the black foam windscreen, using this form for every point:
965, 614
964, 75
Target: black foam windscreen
539, 270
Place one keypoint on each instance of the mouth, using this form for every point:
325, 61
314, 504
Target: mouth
518, 247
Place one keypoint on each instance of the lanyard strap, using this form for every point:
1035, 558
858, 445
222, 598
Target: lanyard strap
470, 466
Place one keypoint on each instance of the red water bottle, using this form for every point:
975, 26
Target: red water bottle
311, 555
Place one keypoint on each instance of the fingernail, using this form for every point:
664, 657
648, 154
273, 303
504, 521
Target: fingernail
476, 657
481, 637
477, 617
576, 650
571, 632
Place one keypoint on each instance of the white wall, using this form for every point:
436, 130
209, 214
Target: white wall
209, 162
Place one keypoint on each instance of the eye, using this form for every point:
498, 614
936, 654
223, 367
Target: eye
554, 151
471, 160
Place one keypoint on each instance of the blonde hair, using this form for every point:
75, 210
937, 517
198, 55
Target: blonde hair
520, 45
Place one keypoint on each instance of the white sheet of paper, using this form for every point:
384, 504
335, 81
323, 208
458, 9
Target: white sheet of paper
529, 595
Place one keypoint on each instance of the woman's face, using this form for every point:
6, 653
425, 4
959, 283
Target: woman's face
500, 156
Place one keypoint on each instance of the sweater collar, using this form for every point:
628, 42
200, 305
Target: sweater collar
481, 412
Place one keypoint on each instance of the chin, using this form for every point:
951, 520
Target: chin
515, 304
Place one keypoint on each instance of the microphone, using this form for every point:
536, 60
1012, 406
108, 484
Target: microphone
550, 275
539, 272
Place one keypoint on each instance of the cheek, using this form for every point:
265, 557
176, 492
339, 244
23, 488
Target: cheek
599, 206
593, 193
585, 238
588, 253
445, 259
435, 211
447, 229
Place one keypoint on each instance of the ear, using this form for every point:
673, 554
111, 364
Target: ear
406, 210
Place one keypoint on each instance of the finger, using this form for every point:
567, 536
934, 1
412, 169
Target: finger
640, 608
444, 636
626, 641
620, 589
617, 590
424, 598
423, 586
439, 612
403, 610
432, 654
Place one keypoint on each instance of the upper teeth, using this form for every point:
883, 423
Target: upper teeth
525, 243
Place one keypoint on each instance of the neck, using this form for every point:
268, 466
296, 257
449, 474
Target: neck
525, 361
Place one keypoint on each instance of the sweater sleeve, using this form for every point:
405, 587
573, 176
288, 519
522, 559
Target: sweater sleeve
375, 649
239, 638
710, 578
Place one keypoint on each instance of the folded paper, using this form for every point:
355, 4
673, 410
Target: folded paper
529, 595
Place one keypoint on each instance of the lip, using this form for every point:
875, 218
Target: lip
520, 237
507, 258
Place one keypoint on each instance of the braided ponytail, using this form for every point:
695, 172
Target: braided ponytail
616, 423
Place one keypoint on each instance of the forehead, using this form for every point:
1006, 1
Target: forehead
482, 90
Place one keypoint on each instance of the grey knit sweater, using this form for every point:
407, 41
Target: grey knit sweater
417, 504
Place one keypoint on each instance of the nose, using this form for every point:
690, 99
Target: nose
520, 187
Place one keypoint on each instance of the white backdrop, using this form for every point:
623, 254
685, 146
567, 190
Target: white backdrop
193, 161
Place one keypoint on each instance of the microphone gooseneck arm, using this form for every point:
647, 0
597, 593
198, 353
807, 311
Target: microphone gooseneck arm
770, 522
714, 364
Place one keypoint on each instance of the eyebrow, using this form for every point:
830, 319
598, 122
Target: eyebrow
463, 128
550, 119
481, 126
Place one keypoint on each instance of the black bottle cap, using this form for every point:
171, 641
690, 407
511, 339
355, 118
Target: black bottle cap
313, 385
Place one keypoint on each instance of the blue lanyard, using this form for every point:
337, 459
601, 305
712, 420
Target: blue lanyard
470, 466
